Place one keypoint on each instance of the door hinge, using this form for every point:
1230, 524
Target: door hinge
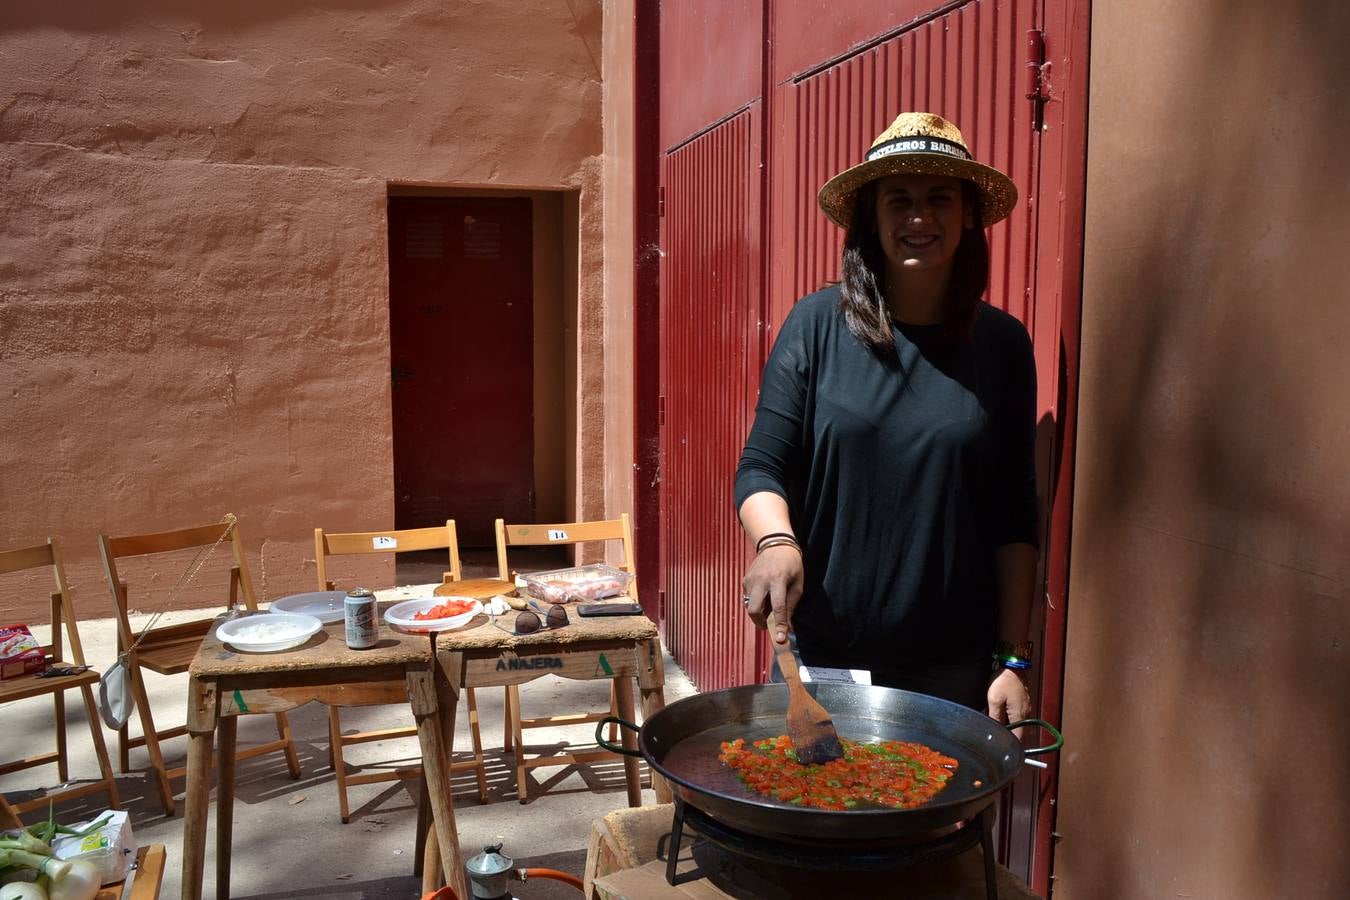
1037, 88
661, 201
661, 410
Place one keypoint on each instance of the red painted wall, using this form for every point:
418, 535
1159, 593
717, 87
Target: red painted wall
710, 63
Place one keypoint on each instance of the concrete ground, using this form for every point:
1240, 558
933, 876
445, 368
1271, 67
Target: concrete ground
289, 841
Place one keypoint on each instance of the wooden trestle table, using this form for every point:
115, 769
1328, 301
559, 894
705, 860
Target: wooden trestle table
619, 648
225, 684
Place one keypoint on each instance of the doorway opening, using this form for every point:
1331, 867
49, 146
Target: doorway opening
482, 302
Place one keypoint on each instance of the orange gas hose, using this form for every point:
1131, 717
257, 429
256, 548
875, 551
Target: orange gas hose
445, 893
556, 875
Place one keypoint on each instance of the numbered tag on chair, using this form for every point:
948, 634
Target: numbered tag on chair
115, 700
384, 543
557, 534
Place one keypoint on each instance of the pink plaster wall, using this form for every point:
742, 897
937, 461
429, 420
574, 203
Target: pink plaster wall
618, 204
1208, 659
193, 271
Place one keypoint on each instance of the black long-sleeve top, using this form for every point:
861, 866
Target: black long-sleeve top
900, 479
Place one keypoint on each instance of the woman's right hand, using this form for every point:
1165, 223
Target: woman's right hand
773, 585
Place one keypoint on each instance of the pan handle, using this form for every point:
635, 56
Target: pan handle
615, 748
1037, 751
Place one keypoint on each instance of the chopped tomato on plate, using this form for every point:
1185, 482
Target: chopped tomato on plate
447, 610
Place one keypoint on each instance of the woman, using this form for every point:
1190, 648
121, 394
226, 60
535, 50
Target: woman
888, 482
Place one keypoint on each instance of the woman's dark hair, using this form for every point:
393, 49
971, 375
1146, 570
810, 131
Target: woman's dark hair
863, 286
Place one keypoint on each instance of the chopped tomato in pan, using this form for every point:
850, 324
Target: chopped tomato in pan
894, 774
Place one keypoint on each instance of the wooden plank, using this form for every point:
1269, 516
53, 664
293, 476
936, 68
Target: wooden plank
146, 881
227, 733
623, 698
27, 762
477, 588
31, 686
245, 701
42, 802
510, 667
326, 652
198, 792
167, 541
383, 734
436, 537
431, 721
25, 558
651, 685
399, 774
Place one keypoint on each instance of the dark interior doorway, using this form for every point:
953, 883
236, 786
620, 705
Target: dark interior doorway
460, 330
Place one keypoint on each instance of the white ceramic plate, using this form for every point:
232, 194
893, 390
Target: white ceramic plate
400, 615
326, 606
268, 632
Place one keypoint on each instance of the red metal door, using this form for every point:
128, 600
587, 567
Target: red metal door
711, 295
460, 293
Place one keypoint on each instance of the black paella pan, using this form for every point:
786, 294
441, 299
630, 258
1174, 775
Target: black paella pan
682, 742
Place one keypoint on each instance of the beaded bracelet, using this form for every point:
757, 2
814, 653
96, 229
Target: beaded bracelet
759, 545
1020, 649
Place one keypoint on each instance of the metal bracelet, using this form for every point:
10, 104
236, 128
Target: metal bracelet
759, 544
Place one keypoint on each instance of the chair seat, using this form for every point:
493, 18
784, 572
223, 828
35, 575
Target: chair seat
32, 686
172, 653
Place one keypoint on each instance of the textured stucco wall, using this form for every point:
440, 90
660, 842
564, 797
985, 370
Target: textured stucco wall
618, 190
193, 271
1208, 665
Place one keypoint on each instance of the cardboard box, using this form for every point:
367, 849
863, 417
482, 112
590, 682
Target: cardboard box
20, 652
111, 849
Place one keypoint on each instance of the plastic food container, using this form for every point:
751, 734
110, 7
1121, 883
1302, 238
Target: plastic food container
593, 582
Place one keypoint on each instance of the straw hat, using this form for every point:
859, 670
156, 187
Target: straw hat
919, 143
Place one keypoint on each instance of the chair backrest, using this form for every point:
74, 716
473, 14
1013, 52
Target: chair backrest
565, 534
203, 537
437, 537
63, 608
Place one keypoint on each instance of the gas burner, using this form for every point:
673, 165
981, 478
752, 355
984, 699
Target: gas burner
752, 857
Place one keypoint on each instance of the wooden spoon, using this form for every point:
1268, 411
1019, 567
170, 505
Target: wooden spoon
809, 726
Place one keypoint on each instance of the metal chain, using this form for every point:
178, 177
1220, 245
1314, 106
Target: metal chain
189, 573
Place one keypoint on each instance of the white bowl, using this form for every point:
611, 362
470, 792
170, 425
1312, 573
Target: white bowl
400, 615
326, 606
268, 632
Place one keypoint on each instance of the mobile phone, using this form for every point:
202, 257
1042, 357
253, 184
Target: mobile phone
609, 609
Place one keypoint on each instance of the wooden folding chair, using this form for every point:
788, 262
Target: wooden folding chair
365, 542
557, 534
25, 686
169, 650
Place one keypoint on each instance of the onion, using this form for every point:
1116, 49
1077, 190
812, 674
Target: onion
22, 890
80, 882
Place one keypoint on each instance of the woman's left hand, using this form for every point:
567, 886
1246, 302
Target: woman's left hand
1009, 699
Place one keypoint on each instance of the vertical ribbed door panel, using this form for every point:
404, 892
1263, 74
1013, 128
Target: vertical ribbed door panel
968, 65
710, 323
